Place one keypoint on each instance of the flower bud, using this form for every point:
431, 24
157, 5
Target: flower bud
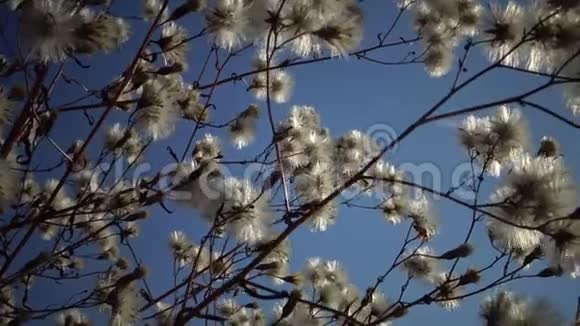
471, 276
293, 299
399, 312
296, 279
186, 8
139, 215
122, 263
550, 272
462, 251
549, 147
268, 266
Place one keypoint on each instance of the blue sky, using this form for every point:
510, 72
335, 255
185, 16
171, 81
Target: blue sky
348, 94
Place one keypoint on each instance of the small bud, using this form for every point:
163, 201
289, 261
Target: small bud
218, 267
549, 147
268, 266
446, 290
367, 298
462, 251
78, 156
399, 312
141, 272
575, 215
76, 263
186, 8
535, 254
110, 253
139, 215
293, 299
251, 112
296, 279
41, 258
471, 276
252, 305
562, 237
551, 271
172, 69
45, 123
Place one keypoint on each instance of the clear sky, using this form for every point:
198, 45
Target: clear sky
348, 94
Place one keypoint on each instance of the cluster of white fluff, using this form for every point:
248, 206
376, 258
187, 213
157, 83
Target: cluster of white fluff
27, 193
309, 26
173, 43
421, 211
508, 308
545, 32
241, 315
121, 293
494, 138
234, 205
54, 29
421, 264
71, 317
399, 202
277, 263
243, 129
561, 245
157, 112
354, 150
301, 315
442, 24
305, 26
122, 141
246, 211
277, 84
161, 101
424, 264
318, 164
542, 36
233, 22
571, 91
308, 154
505, 25
534, 191
334, 290
201, 259
183, 250
108, 203
537, 190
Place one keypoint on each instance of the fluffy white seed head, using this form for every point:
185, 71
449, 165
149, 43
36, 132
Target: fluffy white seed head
280, 86
506, 26
231, 23
421, 265
243, 129
157, 112
173, 44
508, 308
